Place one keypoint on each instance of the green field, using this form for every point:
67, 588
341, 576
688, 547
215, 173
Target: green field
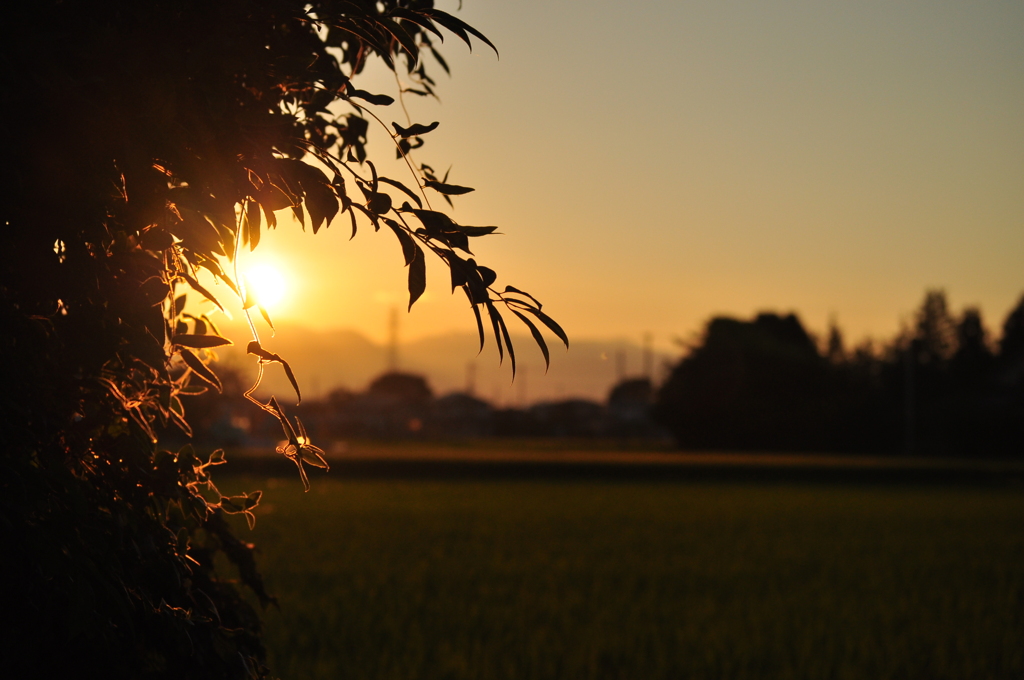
562, 579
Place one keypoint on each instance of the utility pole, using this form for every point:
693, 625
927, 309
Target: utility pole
393, 340
649, 357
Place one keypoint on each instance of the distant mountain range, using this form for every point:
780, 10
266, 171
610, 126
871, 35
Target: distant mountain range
325, 360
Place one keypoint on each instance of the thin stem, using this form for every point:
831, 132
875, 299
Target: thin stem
317, 152
405, 156
238, 279
401, 99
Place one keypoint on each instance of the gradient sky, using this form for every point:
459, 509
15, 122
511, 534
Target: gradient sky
651, 164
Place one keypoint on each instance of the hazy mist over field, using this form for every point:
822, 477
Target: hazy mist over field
328, 359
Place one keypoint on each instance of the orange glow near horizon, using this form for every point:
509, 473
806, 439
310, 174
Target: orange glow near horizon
834, 161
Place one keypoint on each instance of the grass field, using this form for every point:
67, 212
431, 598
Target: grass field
563, 579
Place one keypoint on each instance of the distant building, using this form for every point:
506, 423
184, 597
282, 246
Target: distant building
629, 409
569, 418
395, 405
460, 415
398, 388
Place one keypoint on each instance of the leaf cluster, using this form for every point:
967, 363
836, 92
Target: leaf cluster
146, 142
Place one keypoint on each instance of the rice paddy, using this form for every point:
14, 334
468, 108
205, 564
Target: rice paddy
597, 579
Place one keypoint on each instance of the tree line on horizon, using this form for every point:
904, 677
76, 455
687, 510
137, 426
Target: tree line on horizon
941, 386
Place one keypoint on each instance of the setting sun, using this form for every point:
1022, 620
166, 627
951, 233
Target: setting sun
267, 283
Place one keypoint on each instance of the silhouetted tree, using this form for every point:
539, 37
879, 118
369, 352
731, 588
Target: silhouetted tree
935, 333
835, 352
1011, 346
936, 389
144, 141
748, 385
973, 361
1009, 383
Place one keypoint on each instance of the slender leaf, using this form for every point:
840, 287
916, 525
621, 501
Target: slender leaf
421, 21
457, 267
266, 316
458, 27
373, 175
510, 289
476, 314
286, 427
476, 231
398, 185
254, 348
435, 222
376, 99
479, 321
250, 299
415, 129
233, 505
200, 369
493, 313
205, 325
537, 337
417, 276
408, 245
313, 455
269, 357
440, 60
291, 378
200, 341
200, 289
252, 224
403, 36
508, 341
271, 217
551, 324
447, 189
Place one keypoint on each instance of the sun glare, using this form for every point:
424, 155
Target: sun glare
267, 284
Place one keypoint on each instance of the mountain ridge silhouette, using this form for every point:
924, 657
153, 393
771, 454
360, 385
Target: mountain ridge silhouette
324, 360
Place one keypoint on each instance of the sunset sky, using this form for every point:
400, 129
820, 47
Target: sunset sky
651, 164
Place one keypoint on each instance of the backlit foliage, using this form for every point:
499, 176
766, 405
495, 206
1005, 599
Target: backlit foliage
144, 142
